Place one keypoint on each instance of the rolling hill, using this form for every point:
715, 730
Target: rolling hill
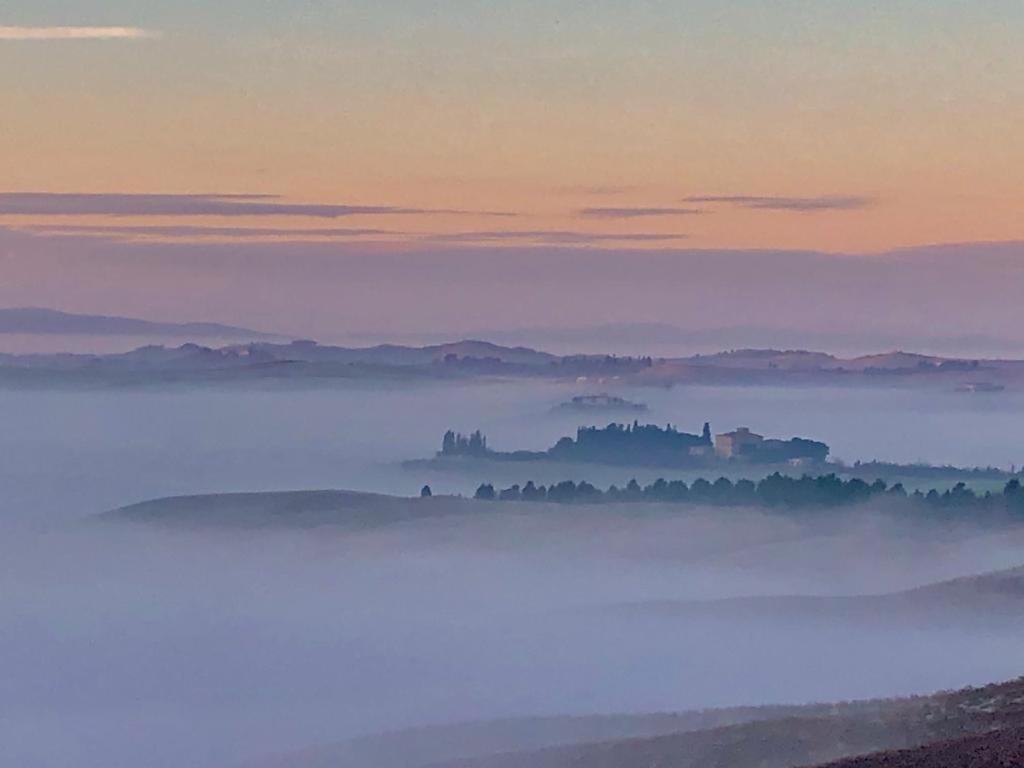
987, 598
806, 739
293, 509
973, 728
32, 320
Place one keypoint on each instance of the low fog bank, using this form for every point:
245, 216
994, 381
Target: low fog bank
128, 644
68, 454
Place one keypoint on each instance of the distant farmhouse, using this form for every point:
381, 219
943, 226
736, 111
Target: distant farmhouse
650, 445
742, 444
730, 445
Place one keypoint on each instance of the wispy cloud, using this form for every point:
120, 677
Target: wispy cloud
76, 33
595, 190
555, 237
125, 205
798, 204
186, 232
636, 213
197, 234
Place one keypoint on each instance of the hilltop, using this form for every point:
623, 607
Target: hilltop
468, 359
298, 509
33, 320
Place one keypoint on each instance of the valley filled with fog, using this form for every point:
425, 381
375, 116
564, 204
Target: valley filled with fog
70, 453
126, 644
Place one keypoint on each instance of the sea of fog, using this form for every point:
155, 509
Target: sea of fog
123, 646
65, 454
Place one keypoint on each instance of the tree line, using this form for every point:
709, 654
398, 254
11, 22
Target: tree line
776, 490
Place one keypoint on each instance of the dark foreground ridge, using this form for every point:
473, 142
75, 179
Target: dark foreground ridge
1000, 749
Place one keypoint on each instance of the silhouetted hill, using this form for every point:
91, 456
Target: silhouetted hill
396, 355
468, 359
297, 509
30, 320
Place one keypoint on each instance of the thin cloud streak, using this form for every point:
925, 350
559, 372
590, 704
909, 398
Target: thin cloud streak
126, 205
555, 237
76, 33
636, 213
607, 190
798, 204
198, 234
193, 232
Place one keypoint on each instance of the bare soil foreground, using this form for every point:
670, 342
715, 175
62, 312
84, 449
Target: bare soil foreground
1000, 749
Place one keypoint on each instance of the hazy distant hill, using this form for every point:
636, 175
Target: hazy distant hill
299, 509
988, 598
50, 321
666, 340
970, 722
397, 355
258, 359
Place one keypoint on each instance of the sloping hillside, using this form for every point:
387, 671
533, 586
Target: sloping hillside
796, 740
31, 320
999, 749
445, 743
294, 509
992, 597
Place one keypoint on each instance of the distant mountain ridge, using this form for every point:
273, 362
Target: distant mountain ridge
35, 320
667, 340
271, 358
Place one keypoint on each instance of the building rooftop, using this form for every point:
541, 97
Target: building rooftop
743, 432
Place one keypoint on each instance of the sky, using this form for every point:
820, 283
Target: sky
466, 127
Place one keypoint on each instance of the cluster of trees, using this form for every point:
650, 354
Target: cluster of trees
781, 451
929, 470
456, 444
637, 444
776, 490
633, 444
